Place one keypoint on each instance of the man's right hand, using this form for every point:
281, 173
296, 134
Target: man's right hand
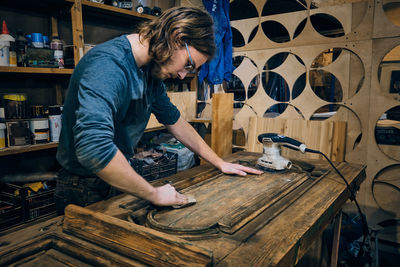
166, 195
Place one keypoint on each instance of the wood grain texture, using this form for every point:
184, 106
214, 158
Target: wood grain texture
287, 238
77, 30
229, 202
133, 240
326, 136
222, 124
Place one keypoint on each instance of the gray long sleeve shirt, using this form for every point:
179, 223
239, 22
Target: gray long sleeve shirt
107, 107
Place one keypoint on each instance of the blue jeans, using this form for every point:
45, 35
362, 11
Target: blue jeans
81, 191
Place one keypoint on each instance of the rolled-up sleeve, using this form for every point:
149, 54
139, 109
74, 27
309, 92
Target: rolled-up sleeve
100, 92
165, 112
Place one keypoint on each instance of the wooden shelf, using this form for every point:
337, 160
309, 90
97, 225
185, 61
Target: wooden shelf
29, 148
102, 8
201, 120
35, 70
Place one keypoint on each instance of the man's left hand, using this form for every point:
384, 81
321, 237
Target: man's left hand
231, 168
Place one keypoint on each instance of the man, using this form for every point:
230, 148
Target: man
112, 92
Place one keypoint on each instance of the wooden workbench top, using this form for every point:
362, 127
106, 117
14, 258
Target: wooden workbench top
267, 220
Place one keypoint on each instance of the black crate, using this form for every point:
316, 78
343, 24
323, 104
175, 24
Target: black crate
163, 166
9, 215
21, 204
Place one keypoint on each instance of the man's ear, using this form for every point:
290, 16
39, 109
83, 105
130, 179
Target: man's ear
179, 40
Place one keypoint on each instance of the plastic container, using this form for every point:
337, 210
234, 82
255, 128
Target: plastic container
55, 122
37, 40
4, 53
2, 135
5, 42
15, 106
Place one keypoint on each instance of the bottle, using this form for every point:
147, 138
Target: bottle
13, 55
21, 45
2, 114
5, 39
46, 43
57, 46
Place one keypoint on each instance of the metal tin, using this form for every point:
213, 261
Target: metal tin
40, 130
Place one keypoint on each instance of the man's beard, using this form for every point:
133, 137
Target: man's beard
156, 71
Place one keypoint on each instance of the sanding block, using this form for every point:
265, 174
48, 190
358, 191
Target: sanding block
191, 202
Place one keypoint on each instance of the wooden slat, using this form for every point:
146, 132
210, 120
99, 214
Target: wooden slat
77, 30
326, 136
222, 126
133, 240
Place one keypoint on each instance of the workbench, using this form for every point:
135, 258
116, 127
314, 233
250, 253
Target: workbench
266, 220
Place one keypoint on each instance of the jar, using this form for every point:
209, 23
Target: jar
15, 106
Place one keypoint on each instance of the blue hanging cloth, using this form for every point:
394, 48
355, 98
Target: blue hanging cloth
220, 67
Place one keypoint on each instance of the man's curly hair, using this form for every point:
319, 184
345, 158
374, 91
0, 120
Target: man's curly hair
176, 26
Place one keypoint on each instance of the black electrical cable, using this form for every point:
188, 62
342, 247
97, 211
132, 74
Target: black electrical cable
352, 195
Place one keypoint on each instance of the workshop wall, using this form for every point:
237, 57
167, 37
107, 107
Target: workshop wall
326, 60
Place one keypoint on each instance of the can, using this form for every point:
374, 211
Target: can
55, 127
2, 135
37, 111
40, 130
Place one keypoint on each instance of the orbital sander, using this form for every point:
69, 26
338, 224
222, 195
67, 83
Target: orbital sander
271, 160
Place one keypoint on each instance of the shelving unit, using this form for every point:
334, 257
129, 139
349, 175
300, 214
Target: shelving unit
77, 10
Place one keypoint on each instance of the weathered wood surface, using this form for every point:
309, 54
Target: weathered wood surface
44, 244
129, 239
228, 202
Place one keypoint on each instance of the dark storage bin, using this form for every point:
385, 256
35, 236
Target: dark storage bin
20, 204
163, 166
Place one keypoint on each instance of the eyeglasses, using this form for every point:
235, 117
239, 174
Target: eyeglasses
190, 66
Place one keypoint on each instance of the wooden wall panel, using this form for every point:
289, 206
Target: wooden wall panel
369, 35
